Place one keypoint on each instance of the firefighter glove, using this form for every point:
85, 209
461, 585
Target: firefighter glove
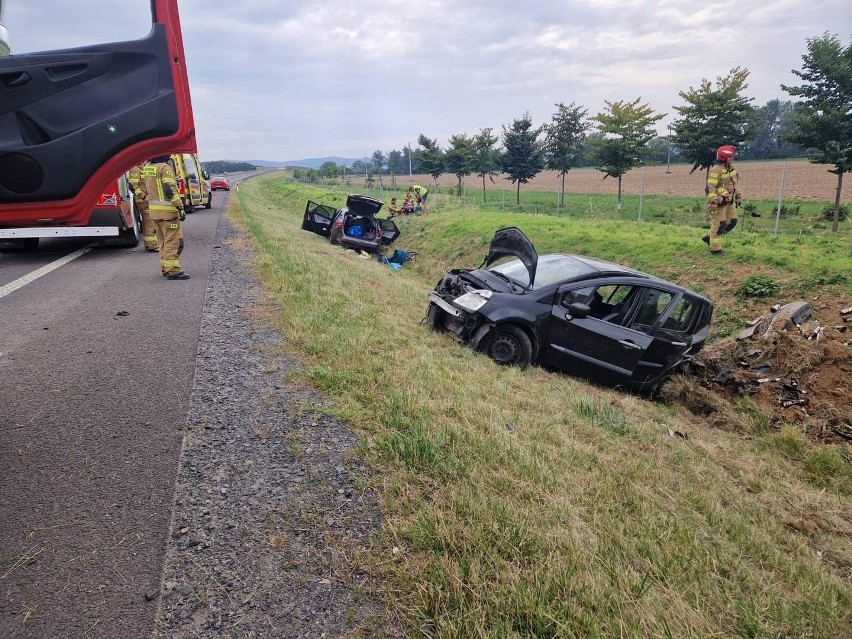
181, 214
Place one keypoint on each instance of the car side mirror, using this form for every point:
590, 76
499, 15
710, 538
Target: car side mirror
205, 175
579, 310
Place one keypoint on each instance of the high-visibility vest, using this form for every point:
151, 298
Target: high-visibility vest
158, 181
721, 183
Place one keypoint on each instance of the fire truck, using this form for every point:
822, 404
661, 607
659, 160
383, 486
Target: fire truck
74, 121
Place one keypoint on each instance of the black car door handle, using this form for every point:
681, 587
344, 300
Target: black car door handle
14, 80
678, 343
629, 344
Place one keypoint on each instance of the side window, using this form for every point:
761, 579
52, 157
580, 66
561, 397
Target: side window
580, 295
191, 171
683, 315
653, 305
612, 302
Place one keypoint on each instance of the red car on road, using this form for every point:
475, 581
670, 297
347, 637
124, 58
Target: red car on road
219, 184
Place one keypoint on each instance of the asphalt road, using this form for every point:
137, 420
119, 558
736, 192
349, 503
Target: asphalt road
96, 368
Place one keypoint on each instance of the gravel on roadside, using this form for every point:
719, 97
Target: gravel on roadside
273, 507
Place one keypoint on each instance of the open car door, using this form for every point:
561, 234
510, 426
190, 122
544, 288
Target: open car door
390, 231
71, 120
318, 218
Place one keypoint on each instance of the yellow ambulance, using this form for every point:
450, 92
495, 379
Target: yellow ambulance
192, 180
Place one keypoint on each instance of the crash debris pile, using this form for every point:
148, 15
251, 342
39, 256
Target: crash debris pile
794, 368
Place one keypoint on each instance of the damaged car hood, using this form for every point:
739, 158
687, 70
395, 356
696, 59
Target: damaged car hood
511, 242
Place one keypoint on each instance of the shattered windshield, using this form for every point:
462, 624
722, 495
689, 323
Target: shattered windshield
551, 269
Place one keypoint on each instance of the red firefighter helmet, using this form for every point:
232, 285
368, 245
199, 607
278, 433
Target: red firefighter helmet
725, 153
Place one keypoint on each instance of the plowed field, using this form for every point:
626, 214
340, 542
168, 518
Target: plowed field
758, 180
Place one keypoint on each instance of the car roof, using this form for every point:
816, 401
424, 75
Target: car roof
604, 269
512, 241
602, 266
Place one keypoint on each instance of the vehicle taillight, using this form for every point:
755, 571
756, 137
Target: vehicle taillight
379, 233
339, 224
181, 184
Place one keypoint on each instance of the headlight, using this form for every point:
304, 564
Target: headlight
473, 301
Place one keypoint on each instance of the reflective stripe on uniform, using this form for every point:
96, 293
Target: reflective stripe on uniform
170, 264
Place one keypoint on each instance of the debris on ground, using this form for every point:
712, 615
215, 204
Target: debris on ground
783, 318
793, 367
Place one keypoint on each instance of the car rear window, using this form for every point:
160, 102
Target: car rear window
551, 269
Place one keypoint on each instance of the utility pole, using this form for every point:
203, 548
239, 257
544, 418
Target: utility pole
410, 174
669, 159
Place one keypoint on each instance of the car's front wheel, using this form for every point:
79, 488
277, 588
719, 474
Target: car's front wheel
509, 346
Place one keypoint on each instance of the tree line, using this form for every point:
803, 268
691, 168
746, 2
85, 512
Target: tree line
623, 136
217, 167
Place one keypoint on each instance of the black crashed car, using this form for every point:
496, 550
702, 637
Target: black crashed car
355, 226
594, 319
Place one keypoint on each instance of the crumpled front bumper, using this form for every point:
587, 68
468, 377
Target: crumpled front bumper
462, 325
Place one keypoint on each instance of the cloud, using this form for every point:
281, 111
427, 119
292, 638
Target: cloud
275, 80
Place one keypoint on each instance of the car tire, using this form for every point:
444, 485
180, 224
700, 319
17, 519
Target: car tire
509, 345
334, 235
209, 203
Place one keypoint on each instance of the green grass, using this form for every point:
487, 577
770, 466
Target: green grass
531, 504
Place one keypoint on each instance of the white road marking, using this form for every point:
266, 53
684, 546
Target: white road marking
44, 270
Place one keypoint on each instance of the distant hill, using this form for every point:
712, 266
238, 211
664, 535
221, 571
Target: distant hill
312, 163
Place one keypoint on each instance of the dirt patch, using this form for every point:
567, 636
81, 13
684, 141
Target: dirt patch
794, 373
758, 180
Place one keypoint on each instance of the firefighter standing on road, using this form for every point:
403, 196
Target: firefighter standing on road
140, 196
722, 197
166, 210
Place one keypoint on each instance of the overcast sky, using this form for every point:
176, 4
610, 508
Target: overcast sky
283, 80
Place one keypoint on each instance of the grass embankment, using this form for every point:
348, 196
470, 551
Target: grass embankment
530, 504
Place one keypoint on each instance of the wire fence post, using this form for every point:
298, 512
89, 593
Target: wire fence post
780, 199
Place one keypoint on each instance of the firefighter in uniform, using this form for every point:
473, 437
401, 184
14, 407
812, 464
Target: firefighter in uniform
166, 210
140, 196
722, 197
